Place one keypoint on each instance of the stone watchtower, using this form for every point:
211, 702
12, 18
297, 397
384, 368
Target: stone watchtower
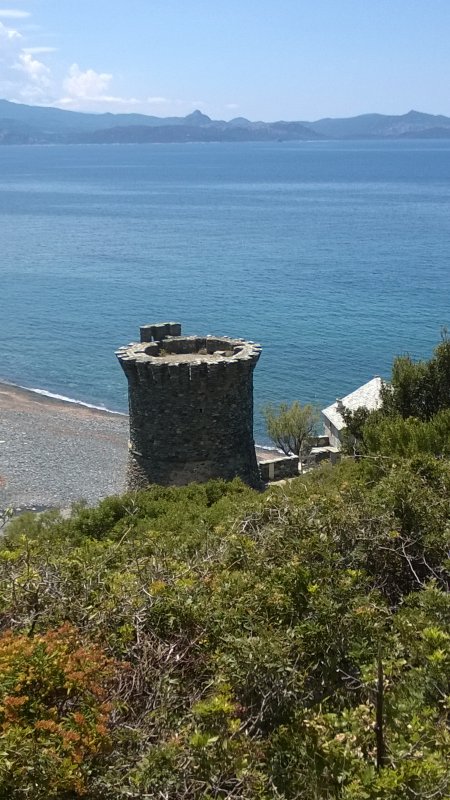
191, 407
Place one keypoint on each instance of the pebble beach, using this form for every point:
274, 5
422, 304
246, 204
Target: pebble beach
54, 453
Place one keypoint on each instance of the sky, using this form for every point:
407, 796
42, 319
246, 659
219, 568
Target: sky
261, 59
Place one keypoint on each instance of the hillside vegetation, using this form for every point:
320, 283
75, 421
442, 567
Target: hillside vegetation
213, 642
414, 416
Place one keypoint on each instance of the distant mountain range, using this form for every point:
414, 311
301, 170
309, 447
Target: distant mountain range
22, 124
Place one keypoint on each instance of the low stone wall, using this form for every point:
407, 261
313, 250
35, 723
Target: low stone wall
319, 454
320, 441
276, 469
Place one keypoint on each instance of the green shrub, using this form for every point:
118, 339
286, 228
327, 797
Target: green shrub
252, 626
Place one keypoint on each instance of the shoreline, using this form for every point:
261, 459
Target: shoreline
45, 394
55, 451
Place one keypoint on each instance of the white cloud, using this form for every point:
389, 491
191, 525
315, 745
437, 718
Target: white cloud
25, 77
157, 101
22, 77
10, 40
88, 88
40, 50
37, 71
232, 106
14, 13
87, 85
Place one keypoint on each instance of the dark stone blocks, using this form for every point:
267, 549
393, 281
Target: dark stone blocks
191, 407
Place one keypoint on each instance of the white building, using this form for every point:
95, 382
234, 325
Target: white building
367, 396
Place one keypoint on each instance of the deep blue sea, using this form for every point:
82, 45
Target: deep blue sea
334, 255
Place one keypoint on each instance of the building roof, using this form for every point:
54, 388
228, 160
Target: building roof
367, 396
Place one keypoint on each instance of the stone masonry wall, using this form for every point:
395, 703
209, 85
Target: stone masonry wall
277, 469
191, 408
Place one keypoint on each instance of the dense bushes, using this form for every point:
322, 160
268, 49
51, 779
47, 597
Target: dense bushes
238, 639
420, 389
53, 713
392, 435
414, 414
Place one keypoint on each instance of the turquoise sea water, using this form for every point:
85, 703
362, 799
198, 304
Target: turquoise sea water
335, 256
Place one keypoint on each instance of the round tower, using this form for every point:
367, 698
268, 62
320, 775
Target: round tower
191, 407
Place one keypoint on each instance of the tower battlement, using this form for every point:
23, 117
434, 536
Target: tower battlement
188, 356
191, 407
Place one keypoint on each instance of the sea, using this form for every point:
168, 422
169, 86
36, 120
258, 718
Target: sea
335, 256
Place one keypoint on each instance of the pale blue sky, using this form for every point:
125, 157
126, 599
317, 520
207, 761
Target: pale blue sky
290, 59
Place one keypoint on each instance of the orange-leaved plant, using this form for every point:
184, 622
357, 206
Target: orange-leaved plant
54, 713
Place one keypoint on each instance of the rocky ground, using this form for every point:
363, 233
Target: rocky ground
54, 453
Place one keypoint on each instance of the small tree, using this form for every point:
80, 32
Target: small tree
292, 427
419, 388
353, 433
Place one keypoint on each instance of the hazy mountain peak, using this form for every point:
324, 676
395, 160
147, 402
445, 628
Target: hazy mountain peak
22, 124
416, 114
197, 118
